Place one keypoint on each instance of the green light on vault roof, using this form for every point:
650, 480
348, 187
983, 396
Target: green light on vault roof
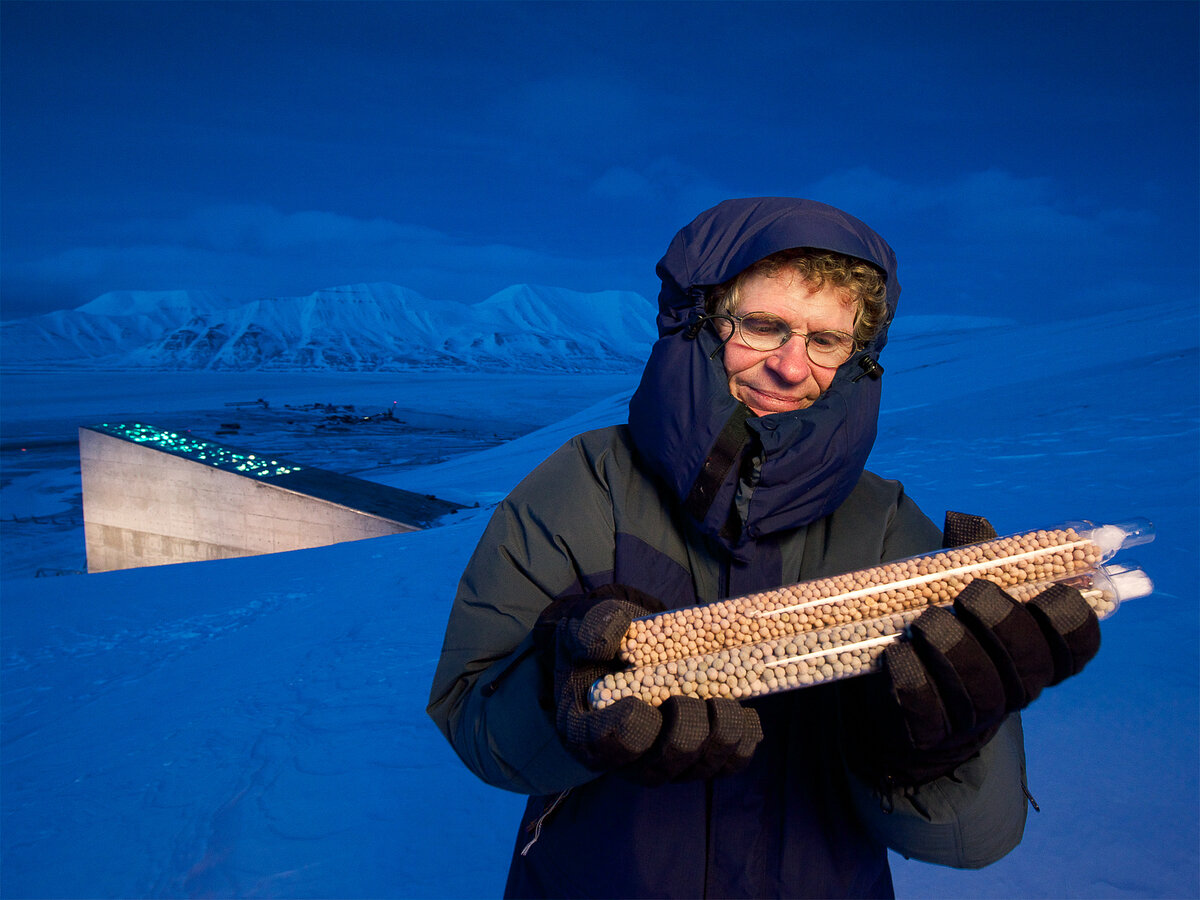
201, 451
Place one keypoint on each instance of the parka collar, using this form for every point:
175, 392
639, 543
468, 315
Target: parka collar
797, 467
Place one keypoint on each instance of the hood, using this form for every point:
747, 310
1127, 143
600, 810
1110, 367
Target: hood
739, 476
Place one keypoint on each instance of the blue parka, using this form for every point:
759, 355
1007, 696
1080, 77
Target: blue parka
693, 501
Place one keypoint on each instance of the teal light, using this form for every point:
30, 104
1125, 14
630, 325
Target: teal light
202, 451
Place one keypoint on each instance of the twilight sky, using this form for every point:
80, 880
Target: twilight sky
1022, 158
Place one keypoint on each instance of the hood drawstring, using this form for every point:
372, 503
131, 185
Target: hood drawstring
536, 825
695, 323
870, 366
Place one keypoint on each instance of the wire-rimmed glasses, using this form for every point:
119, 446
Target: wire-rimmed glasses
765, 332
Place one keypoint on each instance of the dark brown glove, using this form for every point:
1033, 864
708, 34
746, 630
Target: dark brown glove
685, 738
949, 682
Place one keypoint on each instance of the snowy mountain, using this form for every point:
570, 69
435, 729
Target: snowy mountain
109, 326
354, 328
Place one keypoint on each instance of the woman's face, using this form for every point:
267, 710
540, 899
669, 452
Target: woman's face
785, 379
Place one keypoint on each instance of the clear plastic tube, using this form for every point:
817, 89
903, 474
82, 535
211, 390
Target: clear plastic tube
912, 583
1118, 535
1109, 586
834, 628
830, 654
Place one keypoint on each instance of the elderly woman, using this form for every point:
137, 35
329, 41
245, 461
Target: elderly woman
741, 468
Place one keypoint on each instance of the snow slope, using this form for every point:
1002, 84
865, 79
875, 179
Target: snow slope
256, 727
359, 327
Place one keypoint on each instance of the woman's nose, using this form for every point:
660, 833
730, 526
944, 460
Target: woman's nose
790, 362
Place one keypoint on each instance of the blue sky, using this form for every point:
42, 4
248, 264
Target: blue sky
1022, 158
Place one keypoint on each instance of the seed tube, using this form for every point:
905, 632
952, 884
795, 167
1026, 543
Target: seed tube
832, 628
829, 654
866, 594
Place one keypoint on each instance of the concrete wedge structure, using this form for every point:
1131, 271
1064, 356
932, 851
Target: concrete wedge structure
156, 497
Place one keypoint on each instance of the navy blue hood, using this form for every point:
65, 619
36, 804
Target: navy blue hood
796, 467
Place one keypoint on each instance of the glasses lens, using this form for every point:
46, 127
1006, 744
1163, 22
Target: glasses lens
762, 331
830, 348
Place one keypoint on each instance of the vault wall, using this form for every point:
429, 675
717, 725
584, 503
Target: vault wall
146, 507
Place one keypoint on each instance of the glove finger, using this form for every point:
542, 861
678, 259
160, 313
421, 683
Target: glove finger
597, 633
611, 737
684, 735
922, 717
732, 730
724, 734
967, 681
962, 529
646, 603
1070, 626
749, 736
1012, 638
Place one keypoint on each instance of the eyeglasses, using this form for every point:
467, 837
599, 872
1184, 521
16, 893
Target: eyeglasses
764, 332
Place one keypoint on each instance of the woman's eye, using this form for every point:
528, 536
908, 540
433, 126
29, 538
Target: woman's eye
764, 325
826, 340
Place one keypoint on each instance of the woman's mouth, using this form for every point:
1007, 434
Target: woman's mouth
766, 402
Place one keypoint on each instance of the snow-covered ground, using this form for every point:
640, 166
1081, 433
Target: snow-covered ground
256, 727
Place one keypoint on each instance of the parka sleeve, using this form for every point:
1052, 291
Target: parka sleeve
549, 538
966, 820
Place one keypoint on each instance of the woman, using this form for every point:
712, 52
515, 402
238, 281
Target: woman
741, 468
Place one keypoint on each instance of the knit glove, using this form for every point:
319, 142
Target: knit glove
949, 682
684, 738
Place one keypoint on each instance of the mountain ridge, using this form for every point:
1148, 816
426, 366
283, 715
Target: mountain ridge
357, 327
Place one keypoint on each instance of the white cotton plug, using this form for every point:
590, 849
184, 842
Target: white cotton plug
1129, 582
1121, 535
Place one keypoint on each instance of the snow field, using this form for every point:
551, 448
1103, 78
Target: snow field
256, 727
